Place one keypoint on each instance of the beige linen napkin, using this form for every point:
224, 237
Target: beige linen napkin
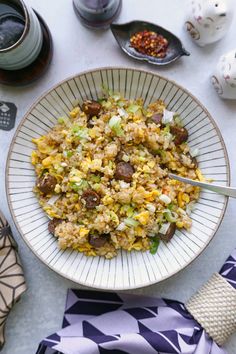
12, 283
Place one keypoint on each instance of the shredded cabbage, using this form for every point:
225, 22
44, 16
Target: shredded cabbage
168, 116
133, 108
131, 222
164, 228
121, 227
53, 199
116, 97
150, 207
114, 124
122, 112
165, 199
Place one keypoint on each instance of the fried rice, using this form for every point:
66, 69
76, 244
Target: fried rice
80, 156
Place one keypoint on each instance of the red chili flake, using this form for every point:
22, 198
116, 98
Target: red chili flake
149, 43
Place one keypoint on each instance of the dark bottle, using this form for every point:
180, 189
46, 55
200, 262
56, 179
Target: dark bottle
97, 13
12, 24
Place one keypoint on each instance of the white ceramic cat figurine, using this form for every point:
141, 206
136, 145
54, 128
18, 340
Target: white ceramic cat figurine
207, 21
224, 78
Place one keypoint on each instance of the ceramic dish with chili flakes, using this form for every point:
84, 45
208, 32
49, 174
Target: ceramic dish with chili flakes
103, 176
148, 42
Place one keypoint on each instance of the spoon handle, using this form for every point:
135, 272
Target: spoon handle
228, 191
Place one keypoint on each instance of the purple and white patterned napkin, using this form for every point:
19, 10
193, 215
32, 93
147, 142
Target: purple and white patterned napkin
12, 282
228, 271
103, 322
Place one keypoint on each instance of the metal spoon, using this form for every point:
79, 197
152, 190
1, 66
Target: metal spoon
227, 191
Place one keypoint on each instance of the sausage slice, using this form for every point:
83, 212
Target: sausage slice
124, 171
119, 156
91, 108
180, 134
169, 233
46, 183
96, 240
53, 224
91, 198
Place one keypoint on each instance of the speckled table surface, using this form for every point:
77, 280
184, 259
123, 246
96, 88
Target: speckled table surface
39, 313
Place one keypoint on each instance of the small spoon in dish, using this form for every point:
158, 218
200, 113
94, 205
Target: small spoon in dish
227, 191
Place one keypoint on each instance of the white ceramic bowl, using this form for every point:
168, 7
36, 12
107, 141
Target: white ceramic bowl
127, 270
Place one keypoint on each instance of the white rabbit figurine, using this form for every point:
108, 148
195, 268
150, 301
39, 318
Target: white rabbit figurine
207, 21
224, 78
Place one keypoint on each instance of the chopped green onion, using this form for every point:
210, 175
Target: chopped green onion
121, 104
170, 206
115, 125
177, 120
160, 152
166, 130
95, 178
141, 158
154, 245
114, 217
78, 186
106, 90
170, 215
131, 222
130, 211
80, 132
106, 104
44, 171
96, 186
133, 108
61, 120
67, 153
